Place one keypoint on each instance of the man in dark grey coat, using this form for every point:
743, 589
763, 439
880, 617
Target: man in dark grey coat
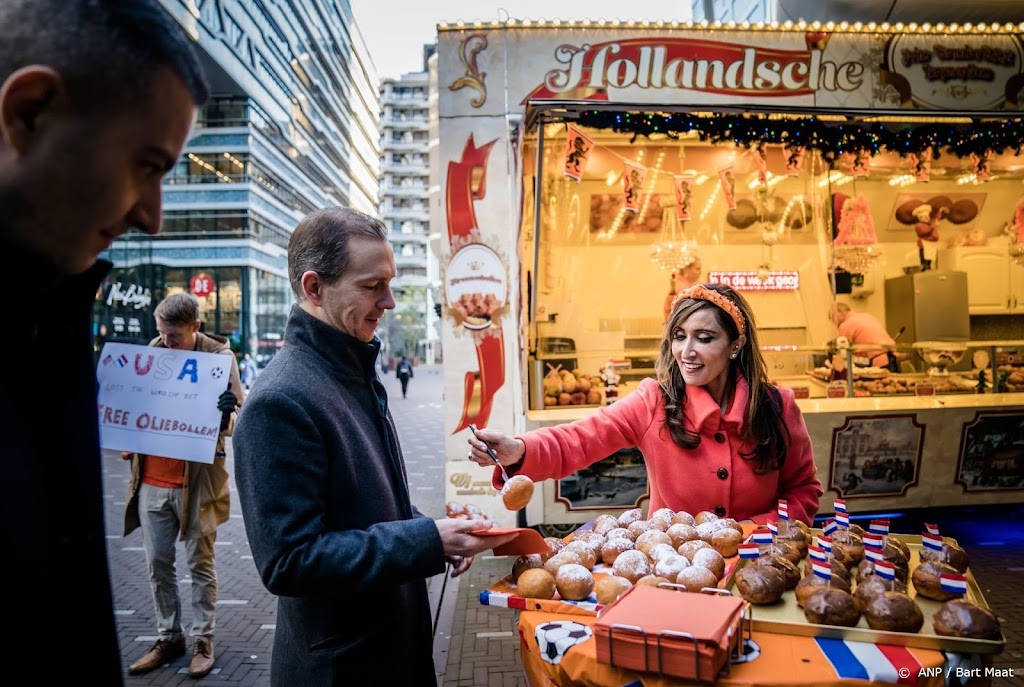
322, 482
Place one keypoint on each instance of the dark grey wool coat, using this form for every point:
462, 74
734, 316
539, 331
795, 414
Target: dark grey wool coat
323, 490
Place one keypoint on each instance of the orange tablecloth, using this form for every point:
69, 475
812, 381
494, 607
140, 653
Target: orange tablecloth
779, 660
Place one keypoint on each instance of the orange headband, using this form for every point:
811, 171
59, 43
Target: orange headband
699, 292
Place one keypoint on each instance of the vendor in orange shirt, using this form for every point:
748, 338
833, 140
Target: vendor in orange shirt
863, 328
715, 434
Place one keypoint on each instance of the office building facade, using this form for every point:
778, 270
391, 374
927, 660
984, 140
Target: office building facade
292, 127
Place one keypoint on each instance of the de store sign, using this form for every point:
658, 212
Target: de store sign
201, 285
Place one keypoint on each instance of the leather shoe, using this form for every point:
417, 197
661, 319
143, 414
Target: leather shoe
202, 657
160, 653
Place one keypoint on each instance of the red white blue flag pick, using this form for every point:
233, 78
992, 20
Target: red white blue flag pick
822, 570
825, 543
932, 541
879, 526
840, 505
773, 528
931, 528
817, 554
830, 527
885, 569
783, 509
749, 550
953, 584
873, 553
842, 519
872, 539
761, 536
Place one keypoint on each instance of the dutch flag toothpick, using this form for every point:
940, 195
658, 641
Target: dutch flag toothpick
822, 570
932, 541
749, 550
842, 519
953, 584
825, 543
873, 553
783, 509
773, 528
761, 536
931, 528
817, 553
830, 527
872, 539
885, 570
840, 505
879, 526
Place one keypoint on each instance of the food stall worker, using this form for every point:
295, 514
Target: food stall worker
715, 434
863, 328
682, 279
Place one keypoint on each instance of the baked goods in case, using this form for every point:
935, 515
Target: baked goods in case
963, 618
517, 492
760, 584
894, 612
831, 606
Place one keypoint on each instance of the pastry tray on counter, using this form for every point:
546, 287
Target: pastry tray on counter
786, 617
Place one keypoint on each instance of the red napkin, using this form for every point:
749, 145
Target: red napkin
528, 541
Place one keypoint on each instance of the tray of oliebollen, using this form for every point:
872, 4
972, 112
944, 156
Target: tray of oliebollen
787, 617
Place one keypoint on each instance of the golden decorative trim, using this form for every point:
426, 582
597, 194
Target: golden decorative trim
471, 46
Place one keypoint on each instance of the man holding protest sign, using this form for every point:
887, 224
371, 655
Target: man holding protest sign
173, 499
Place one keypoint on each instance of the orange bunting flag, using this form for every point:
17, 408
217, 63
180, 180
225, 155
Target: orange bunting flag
683, 184
632, 186
794, 156
577, 153
728, 181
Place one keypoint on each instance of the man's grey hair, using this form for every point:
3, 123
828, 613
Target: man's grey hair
320, 244
106, 51
178, 310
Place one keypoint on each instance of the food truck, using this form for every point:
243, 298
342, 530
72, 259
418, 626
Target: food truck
583, 164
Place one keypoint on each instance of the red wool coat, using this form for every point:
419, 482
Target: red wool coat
713, 474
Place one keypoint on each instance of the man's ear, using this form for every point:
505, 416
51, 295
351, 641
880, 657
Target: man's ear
25, 98
311, 285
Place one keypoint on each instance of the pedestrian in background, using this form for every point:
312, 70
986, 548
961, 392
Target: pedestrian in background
247, 368
322, 482
96, 101
173, 499
404, 372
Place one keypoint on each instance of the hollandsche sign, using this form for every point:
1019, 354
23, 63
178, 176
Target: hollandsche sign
160, 401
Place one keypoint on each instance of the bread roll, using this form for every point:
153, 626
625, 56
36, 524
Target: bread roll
536, 583
574, 582
524, 563
894, 612
927, 581
790, 572
610, 587
517, 492
962, 618
831, 606
951, 554
875, 586
760, 584
808, 584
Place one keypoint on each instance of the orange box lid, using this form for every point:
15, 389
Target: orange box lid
707, 617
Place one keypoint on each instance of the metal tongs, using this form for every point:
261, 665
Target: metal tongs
491, 453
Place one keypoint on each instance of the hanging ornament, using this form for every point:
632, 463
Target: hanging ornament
683, 185
922, 165
764, 271
982, 165
632, 186
861, 163
577, 153
760, 153
794, 155
769, 237
855, 246
728, 182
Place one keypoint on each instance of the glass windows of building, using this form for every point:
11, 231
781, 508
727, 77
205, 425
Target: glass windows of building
272, 301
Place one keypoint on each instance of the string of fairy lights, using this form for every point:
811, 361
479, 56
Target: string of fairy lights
827, 137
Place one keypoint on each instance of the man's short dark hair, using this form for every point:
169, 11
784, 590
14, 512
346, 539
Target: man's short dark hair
320, 243
105, 50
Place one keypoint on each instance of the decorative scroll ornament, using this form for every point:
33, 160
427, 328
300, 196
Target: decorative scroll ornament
469, 49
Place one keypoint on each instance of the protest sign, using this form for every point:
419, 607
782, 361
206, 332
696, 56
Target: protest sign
160, 401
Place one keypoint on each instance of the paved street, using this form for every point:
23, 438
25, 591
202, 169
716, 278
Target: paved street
475, 645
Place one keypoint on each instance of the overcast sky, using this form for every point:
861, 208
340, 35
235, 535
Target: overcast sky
396, 32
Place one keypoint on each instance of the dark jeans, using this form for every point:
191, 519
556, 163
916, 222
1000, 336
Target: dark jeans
404, 379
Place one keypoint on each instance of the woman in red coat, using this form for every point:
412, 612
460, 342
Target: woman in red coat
715, 433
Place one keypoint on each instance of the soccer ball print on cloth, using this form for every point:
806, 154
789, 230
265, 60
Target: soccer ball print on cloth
555, 638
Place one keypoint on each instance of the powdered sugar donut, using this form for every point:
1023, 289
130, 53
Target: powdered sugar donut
632, 565
574, 582
517, 492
